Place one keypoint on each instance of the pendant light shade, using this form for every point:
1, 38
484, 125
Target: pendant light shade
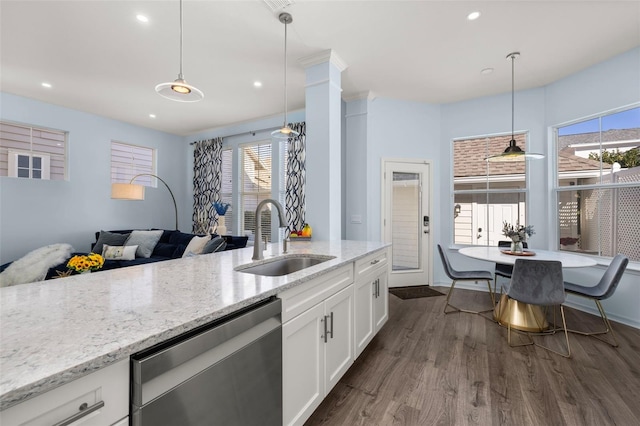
179, 90
513, 152
285, 132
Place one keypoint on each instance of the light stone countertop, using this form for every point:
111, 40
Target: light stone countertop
55, 331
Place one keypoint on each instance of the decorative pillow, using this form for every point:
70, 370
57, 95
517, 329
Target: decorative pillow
196, 245
215, 245
119, 252
110, 238
145, 240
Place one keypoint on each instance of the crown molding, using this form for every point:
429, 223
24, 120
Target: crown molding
325, 56
368, 95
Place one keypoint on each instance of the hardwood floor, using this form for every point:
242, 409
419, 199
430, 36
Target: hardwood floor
427, 368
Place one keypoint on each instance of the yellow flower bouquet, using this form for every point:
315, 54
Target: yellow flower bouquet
83, 263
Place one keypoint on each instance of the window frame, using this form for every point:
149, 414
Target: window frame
125, 173
488, 191
558, 189
27, 148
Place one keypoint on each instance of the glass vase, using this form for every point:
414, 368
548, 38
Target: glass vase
516, 247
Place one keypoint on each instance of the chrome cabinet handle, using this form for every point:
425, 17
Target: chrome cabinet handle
378, 287
84, 411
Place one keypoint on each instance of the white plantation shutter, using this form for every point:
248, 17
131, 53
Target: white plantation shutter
44, 149
129, 160
256, 185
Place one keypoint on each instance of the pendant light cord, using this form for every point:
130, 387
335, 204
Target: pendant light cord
285, 73
513, 59
180, 75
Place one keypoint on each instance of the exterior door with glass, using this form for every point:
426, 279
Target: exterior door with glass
406, 220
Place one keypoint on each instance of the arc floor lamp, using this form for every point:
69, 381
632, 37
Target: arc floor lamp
132, 191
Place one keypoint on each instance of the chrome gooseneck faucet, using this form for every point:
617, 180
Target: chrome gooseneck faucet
257, 253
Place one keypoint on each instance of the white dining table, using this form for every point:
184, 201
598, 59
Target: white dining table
497, 255
519, 315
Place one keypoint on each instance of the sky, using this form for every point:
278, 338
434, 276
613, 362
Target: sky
628, 119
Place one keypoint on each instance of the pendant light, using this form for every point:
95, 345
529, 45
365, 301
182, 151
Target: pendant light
285, 132
513, 152
179, 90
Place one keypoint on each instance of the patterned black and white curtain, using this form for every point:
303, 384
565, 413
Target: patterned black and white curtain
296, 178
207, 167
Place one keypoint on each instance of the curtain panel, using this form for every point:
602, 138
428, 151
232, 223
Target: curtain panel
296, 178
207, 168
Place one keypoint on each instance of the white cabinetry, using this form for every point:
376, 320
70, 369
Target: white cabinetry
317, 339
100, 398
371, 298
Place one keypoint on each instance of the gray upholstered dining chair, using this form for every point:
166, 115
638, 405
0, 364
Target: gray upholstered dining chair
503, 270
601, 291
538, 282
464, 276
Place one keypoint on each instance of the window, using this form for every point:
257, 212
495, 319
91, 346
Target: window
127, 161
598, 184
32, 153
256, 183
486, 194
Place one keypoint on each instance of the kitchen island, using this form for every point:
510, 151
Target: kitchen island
57, 331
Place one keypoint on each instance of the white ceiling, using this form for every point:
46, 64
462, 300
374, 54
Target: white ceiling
100, 59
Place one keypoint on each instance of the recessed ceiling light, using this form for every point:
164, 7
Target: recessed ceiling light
257, 84
142, 18
152, 116
473, 16
47, 85
486, 71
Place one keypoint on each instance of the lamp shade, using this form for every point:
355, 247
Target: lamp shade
127, 191
179, 90
284, 133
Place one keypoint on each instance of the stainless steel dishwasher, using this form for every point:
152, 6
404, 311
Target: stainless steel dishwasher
228, 372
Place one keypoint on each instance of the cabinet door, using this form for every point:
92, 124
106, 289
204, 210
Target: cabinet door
363, 312
302, 365
381, 302
338, 322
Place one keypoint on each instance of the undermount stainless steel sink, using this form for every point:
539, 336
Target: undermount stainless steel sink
284, 265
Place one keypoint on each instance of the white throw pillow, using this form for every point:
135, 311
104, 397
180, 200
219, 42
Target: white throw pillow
119, 252
196, 245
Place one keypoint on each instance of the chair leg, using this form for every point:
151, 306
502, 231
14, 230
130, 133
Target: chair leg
456, 309
447, 304
607, 326
492, 294
566, 336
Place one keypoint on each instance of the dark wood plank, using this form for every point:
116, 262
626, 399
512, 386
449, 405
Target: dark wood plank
427, 368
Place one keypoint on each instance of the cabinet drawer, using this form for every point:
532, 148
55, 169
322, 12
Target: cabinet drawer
371, 262
298, 299
100, 398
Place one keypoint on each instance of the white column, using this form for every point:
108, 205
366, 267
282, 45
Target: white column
323, 156
357, 185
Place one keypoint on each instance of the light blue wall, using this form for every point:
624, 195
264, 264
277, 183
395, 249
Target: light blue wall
36, 213
395, 129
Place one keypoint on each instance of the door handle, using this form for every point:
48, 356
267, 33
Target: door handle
331, 329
